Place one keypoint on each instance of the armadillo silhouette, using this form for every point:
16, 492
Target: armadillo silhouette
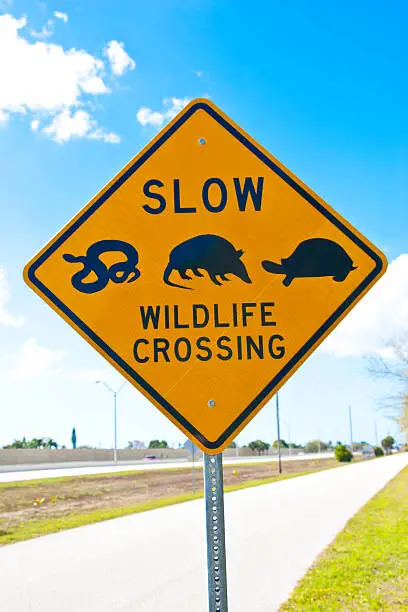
208, 252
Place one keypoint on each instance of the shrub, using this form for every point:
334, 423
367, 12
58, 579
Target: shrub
378, 451
387, 444
342, 453
259, 446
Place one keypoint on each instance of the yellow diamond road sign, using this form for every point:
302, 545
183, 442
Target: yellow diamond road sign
206, 273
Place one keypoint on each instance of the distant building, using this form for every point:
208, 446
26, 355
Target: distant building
139, 444
368, 451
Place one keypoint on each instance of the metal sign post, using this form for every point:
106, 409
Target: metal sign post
214, 511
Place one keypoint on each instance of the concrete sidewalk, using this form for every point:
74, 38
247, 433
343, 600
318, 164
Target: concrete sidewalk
156, 561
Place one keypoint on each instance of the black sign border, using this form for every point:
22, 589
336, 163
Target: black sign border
213, 445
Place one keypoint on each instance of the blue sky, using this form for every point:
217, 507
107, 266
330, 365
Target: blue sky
85, 84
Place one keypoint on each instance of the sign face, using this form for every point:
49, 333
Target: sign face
206, 273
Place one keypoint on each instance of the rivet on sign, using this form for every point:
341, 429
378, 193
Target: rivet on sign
211, 403
201, 141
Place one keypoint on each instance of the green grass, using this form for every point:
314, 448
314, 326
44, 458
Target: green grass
33, 529
366, 567
40, 527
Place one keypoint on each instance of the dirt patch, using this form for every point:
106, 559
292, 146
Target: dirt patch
49, 499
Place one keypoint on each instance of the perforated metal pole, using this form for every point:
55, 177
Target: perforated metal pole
216, 557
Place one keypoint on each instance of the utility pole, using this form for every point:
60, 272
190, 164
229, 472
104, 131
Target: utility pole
319, 441
290, 441
289, 438
193, 473
351, 430
278, 429
376, 432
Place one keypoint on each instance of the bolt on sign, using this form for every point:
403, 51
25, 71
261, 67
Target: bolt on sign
206, 273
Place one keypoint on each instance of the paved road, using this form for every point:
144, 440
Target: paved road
155, 561
32, 472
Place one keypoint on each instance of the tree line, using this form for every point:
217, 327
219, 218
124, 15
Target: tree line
316, 446
34, 443
256, 446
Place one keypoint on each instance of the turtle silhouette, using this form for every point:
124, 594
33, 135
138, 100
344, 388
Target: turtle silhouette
311, 258
208, 252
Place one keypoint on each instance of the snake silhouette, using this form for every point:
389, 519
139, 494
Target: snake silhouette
123, 271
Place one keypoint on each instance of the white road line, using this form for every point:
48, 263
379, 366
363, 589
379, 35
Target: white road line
31, 473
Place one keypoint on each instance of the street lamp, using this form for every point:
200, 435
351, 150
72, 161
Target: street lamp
376, 432
278, 431
115, 394
351, 429
236, 448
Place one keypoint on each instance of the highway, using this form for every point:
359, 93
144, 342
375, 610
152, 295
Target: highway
156, 561
35, 471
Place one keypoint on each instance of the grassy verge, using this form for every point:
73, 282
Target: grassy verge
17, 484
366, 567
33, 529
39, 527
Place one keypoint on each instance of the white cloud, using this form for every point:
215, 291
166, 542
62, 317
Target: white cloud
46, 31
35, 361
34, 124
94, 85
101, 134
42, 76
172, 106
5, 294
60, 15
67, 125
380, 317
198, 73
119, 60
45, 79
146, 116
